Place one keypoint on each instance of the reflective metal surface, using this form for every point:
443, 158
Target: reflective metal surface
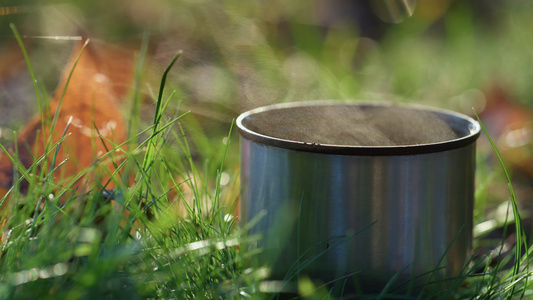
333, 215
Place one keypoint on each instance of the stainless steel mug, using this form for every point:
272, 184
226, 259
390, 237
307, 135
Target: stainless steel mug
361, 191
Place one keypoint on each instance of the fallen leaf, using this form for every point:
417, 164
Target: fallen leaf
89, 109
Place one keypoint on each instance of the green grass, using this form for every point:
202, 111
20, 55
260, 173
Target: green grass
91, 248
133, 244
128, 243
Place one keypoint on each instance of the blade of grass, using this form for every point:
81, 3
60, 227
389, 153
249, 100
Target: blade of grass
56, 152
520, 235
158, 110
153, 140
30, 68
221, 169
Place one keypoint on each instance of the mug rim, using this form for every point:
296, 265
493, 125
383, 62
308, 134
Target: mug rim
472, 127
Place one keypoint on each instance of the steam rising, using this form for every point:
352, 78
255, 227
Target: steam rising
352, 125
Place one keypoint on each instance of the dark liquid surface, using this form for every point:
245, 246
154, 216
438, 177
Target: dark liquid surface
352, 125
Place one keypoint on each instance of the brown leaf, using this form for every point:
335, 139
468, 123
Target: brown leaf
91, 104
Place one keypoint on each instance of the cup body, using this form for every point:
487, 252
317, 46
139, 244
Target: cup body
334, 211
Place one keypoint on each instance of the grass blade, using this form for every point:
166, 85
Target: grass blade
520, 233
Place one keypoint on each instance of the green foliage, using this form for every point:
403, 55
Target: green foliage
129, 243
171, 234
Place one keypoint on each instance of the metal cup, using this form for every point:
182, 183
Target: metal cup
364, 192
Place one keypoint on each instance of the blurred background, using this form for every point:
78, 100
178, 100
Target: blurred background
238, 55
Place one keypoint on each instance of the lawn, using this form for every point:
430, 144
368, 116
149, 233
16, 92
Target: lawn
156, 215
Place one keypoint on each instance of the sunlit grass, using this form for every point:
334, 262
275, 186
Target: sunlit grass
171, 233
167, 235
